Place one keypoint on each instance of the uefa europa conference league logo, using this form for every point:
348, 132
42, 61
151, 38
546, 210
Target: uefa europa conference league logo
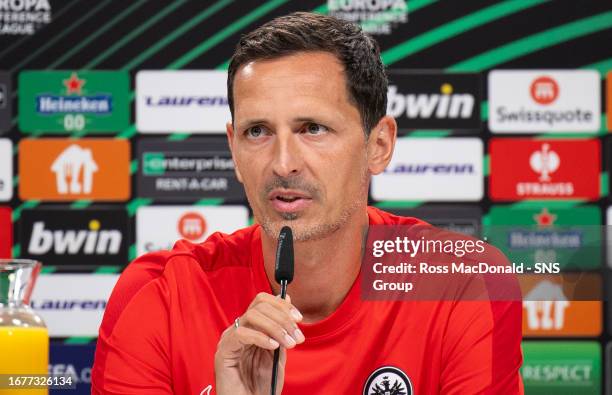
71, 101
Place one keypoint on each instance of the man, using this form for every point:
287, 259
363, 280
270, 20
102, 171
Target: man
308, 98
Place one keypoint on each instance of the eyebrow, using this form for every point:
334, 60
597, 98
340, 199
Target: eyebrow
251, 122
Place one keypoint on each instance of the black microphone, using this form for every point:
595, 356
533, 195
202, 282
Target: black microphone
283, 274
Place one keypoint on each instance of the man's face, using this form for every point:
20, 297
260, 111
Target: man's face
298, 144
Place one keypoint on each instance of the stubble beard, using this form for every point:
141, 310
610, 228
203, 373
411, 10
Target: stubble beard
317, 231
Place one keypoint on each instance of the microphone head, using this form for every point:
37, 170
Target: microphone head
284, 256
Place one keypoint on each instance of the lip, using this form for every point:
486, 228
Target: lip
300, 203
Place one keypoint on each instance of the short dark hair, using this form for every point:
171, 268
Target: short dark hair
306, 31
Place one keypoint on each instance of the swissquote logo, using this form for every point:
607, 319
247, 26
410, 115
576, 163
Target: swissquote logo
159, 227
70, 169
88, 237
531, 101
181, 101
557, 169
74, 169
434, 100
448, 169
388, 380
192, 225
544, 90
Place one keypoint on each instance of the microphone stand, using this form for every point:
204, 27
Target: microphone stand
283, 285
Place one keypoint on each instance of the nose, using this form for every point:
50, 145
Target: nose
288, 159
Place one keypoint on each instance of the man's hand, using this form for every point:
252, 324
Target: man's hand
243, 361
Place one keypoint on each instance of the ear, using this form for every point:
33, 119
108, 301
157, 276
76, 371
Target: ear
229, 128
381, 143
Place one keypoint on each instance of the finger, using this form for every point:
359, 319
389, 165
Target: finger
255, 319
282, 318
276, 301
234, 339
247, 337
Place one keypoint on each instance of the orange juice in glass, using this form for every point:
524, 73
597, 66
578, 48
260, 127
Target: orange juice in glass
24, 340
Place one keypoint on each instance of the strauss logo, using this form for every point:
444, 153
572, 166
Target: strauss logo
544, 162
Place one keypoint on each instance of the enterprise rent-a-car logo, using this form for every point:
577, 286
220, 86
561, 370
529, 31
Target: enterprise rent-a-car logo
544, 101
187, 170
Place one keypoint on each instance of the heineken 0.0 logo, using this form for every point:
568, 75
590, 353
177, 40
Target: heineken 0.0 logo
73, 101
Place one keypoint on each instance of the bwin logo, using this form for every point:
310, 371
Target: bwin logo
89, 242
444, 105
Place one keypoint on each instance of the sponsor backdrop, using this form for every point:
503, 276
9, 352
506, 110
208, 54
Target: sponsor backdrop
112, 118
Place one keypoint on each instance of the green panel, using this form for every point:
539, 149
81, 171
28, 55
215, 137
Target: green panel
561, 368
79, 340
399, 204
543, 233
153, 163
98, 101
